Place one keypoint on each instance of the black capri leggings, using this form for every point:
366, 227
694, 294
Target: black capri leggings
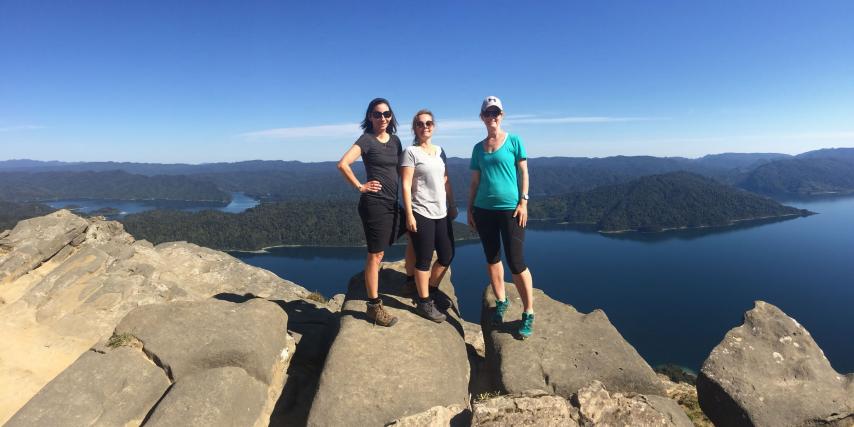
432, 234
494, 226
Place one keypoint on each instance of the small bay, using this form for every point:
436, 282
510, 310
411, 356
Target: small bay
672, 295
239, 203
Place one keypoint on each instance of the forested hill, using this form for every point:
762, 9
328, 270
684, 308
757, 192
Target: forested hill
11, 213
820, 172
116, 185
660, 202
309, 223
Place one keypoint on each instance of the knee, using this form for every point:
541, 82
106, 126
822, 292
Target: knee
518, 267
376, 257
445, 259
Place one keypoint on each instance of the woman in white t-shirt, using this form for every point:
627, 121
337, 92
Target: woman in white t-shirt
429, 206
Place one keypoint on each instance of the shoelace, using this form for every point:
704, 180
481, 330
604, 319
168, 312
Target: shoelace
529, 322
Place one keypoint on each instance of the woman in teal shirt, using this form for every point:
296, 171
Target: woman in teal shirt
498, 210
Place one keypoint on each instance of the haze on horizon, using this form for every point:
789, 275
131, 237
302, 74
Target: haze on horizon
198, 82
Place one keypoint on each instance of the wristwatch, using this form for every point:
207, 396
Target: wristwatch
525, 196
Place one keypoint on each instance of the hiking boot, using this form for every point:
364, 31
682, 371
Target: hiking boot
377, 313
500, 309
527, 327
428, 310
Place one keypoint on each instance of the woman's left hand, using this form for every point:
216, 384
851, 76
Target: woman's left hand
521, 214
453, 212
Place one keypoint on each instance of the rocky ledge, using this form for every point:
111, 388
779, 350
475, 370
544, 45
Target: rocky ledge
101, 329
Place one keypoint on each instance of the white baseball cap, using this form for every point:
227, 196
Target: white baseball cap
491, 101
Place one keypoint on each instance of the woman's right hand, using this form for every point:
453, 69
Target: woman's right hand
471, 219
410, 223
371, 186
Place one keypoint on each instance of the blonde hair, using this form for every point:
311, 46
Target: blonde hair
415, 120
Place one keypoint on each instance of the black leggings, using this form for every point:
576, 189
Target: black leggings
432, 234
493, 227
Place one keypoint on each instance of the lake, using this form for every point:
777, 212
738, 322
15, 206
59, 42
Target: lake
672, 295
239, 203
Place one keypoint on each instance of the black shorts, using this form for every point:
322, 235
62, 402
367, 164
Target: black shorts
382, 222
495, 226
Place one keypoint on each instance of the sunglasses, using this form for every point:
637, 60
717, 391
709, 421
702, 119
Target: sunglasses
379, 114
427, 124
491, 113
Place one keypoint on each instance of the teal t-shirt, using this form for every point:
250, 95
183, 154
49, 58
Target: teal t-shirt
499, 186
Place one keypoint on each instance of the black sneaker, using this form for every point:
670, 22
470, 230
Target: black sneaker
428, 310
442, 301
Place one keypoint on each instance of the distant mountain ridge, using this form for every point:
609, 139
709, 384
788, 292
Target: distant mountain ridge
826, 171
660, 202
117, 185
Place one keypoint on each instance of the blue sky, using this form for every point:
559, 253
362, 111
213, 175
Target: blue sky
226, 81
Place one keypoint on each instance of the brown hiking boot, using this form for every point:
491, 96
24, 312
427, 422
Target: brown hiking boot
377, 313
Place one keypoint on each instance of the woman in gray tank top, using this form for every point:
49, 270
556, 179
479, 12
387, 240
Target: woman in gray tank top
429, 208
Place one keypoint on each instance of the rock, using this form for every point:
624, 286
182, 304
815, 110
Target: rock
437, 416
68, 281
770, 372
335, 303
374, 374
217, 397
36, 240
474, 338
208, 363
186, 338
114, 389
567, 351
598, 407
528, 408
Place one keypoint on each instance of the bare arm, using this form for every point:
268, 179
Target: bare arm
406, 174
344, 167
521, 211
475, 181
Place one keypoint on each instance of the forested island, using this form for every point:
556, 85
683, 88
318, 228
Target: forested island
659, 202
305, 223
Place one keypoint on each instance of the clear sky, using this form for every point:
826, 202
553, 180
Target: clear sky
205, 81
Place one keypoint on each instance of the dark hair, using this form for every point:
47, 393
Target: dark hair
368, 127
415, 120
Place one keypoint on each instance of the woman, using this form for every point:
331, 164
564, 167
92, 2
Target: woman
498, 210
380, 150
429, 207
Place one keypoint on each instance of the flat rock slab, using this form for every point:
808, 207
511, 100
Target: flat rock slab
374, 374
567, 351
223, 397
770, 372
113, 389
186, 338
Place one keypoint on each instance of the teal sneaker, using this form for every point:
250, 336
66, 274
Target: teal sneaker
500, 309
527, 327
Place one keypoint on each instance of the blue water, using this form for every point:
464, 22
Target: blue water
672, 295
239, 203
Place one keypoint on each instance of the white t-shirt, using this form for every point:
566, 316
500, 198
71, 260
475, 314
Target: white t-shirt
428, 182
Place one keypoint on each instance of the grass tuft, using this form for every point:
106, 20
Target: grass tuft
120, 340
316, 296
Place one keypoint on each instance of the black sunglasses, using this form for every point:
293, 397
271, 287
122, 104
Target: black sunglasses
428, 123
491, 113
378, 114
